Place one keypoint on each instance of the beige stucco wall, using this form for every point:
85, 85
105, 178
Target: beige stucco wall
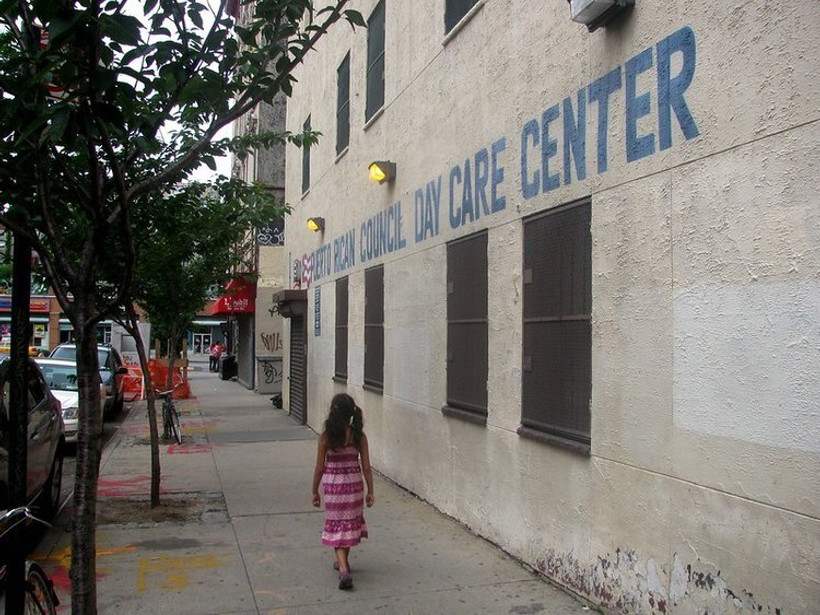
269, 344
701, 490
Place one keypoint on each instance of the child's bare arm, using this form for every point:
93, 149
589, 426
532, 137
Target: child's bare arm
319, 470
364, 451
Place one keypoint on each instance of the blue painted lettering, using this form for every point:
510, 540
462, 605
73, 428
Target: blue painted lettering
482, 177
344, 251
637, 107
419, 214
499, 203
529, 188
670, 90
382, 233
455, 210
321, 260
467, 194
549, 149
600, 91
432, 208
575, 138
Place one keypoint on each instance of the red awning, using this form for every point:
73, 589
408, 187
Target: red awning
239, 298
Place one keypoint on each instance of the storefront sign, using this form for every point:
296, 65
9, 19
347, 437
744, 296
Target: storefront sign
34, 305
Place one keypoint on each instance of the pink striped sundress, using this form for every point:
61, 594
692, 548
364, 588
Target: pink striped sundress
344, 498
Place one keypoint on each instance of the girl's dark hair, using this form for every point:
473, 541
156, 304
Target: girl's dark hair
344, 413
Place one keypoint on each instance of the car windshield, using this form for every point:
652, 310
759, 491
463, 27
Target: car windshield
60, 377
70, 352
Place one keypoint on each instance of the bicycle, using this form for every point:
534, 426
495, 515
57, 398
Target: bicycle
170, 416
40, 597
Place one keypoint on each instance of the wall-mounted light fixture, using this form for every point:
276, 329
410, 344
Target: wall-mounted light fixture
595, 13
382, 171
316, 224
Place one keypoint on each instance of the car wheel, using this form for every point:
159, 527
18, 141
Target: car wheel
49, 500
118, 405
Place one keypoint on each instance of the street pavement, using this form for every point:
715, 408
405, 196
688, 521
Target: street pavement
236, 532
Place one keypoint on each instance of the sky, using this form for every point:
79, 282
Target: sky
223, 164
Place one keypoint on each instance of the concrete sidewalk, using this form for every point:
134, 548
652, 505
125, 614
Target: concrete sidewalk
237, 533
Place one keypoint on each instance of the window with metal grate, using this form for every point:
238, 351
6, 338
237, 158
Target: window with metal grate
375, 61
306, 159
467, 348
340, 368
343, 105
374, 327
557, 341
454, 11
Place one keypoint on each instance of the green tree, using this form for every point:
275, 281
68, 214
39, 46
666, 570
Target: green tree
191, 244
185, 246
99, 108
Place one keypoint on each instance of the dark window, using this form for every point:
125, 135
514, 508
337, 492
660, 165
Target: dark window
557, 346
455, 10
467, 324
343, 105
374, 327
340, 369
375, 61
306, 159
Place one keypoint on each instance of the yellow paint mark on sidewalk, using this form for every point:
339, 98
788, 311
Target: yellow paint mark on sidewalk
174, 570
62, 557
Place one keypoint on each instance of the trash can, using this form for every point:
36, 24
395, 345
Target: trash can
227, 367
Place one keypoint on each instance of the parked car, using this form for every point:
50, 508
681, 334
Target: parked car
112, 373
61, 377
46, 441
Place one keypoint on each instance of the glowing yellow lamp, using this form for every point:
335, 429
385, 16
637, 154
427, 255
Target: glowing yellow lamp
316, 224
382, 171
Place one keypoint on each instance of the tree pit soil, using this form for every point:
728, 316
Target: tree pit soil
173, 508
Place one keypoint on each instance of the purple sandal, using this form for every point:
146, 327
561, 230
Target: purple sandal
345, 580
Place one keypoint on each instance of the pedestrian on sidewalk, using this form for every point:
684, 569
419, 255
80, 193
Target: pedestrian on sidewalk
215, 352
341, 460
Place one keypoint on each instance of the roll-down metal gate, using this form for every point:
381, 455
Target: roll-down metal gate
298, 369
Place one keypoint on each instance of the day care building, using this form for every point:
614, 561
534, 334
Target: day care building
582, 316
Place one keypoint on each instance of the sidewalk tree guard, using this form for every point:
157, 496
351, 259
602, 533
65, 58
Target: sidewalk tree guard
106, 109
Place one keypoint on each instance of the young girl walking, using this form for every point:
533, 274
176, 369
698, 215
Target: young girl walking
342, 445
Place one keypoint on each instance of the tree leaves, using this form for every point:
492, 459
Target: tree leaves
100, 121
124, 29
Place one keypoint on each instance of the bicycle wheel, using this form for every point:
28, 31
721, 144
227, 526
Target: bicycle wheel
40, 597
173, 423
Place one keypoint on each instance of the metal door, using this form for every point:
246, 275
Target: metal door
298, 369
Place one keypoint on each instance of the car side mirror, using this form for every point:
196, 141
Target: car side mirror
122, 371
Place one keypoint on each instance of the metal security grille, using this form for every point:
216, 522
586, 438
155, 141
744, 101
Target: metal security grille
298, 369
467, 324
374, 327
343, 105
375, 61
340, 369
455, 10
557, 348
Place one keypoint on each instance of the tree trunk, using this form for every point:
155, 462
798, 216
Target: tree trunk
89, 446
17, 445
132, 327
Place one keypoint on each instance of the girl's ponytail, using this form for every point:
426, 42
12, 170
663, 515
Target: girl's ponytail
357, 425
